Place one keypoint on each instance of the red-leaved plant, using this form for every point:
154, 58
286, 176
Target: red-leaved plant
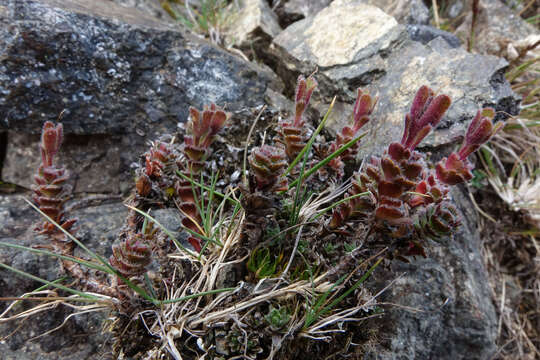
131, 255
49, 192
293, 130
50, 197
363, 107
457, 169
158, 167
267, 165
403, 194
201, 133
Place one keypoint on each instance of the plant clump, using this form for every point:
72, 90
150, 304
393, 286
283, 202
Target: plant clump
279, 262
268, 164
131, 256
406, 199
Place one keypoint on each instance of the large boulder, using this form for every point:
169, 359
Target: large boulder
116, 77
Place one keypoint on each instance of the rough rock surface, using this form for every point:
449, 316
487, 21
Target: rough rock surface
122, 79
331, 37
426, 33
405, 11
449, 313
81, 337
381, 58
254, 21
108, 76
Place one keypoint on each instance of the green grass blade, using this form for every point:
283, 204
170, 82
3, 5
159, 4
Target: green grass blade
351, 289
93, 254
49, 283
533, 19
203, 237
70, 236
187, 251
313, 313
519, 70
43, 287
489, 161
149, 285
311, 140
202, 186
296, 209
337, 203
515, 126
329, 158
218, 210
64, 257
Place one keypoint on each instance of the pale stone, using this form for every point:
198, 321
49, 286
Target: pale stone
344, 28
253, 17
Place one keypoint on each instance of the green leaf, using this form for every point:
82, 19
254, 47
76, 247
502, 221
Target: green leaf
328, 159
193, 182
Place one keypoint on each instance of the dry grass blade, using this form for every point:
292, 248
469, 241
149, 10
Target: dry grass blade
521, 188
300, 288
514, 275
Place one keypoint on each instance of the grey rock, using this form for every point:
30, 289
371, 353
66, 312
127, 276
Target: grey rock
171, 219
82, 336
117, 78
496, 26
303, 9
336, 41
375, 53
96, 163
426, 33
110, 76
405, 11
252, 21
331, 38
449, 312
